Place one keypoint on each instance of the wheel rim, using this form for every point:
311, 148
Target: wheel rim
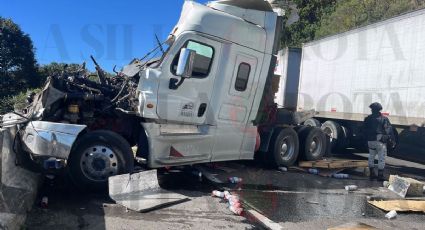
315, 146
286, 149
98, 163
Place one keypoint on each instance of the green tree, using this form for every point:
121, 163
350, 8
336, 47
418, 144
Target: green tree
18, 67
56, 69
310, 14
350, 14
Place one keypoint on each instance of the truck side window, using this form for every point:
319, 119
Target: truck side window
243, 76
203, 59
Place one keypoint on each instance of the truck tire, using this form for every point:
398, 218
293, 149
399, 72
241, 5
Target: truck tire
313, 143
344, 140
392, 149
312, 122
98, 155
285, 148
334, 131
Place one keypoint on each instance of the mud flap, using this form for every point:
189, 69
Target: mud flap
141, 192
18, 187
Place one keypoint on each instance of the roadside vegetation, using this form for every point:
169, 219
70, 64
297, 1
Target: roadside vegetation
321, 18
20, 72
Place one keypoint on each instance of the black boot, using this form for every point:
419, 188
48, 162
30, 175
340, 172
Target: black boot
381, 175
372, 175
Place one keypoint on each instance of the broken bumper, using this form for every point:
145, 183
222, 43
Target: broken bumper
41, 138
50, 139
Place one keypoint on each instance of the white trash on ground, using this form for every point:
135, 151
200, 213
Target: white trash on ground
216, 193
283, 169
233, 201
351, 188
313, 171
391, 215
235, 180
340, 176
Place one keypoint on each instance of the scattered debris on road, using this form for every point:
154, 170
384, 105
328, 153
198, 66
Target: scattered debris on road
391, 215
400, 205
141, 192
233, 201
351, 188
334, 164
331, 167
404, 186
235, 180
283, 169
341, 176
44, 202
312, 202
314, 171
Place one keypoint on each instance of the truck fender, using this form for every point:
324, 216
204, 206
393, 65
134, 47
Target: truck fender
50, 139
266, 138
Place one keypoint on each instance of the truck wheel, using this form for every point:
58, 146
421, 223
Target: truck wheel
285, 148
98, 155
312, 122
344, 140
392, 149
334, 131
312, 143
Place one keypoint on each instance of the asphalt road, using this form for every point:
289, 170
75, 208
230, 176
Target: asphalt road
295, 200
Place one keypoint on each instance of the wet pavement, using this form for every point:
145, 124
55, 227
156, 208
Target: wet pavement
295, 200
69, 208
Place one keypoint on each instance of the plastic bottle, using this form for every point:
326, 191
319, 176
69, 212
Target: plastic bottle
236, 211
44, 202
386, 184
233, 200
351, 188
283, 169
313, 171
391, 215
227, 195
235, 180
340, 176
216, 193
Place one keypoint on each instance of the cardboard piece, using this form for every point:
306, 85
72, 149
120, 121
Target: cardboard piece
334, 164
400, 205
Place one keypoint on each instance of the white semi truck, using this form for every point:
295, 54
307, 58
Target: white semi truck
341, 75
210, 97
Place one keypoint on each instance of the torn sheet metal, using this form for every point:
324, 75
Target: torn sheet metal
50, 139
400, 205
141, 192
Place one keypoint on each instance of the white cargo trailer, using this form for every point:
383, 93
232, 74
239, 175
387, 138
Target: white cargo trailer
341, 75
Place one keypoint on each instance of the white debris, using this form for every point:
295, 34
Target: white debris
391, 215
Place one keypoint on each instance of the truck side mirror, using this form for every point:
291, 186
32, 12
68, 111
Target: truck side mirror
186, 61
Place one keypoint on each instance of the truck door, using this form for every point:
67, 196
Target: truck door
189, 102
235, 104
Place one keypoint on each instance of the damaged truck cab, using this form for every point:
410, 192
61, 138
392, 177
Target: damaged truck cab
201, 100
208, 98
